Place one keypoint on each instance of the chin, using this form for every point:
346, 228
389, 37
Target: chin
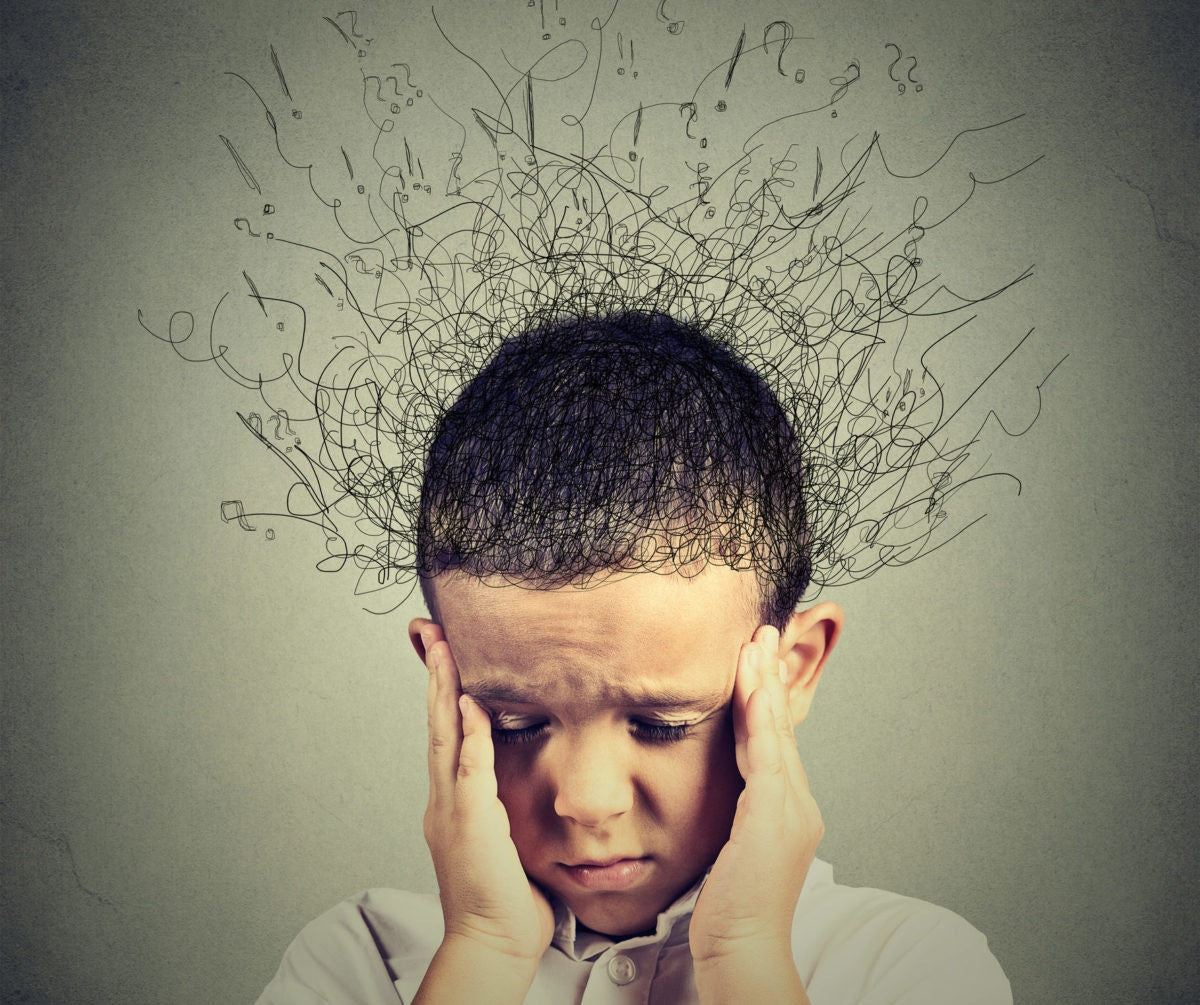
618, 920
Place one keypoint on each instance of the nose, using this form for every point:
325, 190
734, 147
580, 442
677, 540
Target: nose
592, 782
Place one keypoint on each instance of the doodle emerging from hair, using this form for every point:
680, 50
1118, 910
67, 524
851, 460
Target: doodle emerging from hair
540, 365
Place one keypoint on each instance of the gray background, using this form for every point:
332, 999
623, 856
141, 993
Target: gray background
206, 743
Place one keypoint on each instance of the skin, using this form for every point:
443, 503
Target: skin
549, 747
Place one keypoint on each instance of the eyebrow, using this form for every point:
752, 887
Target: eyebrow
499, 692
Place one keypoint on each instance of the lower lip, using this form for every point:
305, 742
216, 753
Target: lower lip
617, 876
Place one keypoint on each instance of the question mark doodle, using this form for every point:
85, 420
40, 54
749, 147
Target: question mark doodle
673, 27
407, 75
788, 35
281, 418
842, 83
892, 64
900, 86
690, 108
232, 509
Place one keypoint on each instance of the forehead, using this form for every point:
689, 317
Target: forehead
648, 635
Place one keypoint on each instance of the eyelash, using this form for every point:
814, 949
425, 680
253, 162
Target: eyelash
647, 732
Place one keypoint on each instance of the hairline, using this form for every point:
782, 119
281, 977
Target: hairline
757, 601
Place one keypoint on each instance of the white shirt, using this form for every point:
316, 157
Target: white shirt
851, 945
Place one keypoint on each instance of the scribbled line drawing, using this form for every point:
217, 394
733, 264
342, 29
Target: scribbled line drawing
458, 222
247, 174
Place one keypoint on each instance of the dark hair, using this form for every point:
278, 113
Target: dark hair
625, 442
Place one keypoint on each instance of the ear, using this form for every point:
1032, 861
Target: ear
804, 645
415, 628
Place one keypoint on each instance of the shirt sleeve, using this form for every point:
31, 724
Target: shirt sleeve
871, 947
333, 961
936, 959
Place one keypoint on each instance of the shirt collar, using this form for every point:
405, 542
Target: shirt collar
582, 944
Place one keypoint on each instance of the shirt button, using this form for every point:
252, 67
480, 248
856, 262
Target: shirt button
622, 969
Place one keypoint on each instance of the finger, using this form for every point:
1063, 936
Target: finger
783, 726
778, 778
767, 637
766, 778
758, 819
476, 758
767, 640
787, 730
745, 682
774, 677
778, 719
430, 633
774, 673
445, 723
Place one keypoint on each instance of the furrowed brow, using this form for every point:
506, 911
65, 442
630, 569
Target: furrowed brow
671, 700
496, 692
500, 692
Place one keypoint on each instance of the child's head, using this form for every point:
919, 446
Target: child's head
629, 442
611, 511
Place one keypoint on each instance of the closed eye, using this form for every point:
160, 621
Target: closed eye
660, 732
646, 732
522, 734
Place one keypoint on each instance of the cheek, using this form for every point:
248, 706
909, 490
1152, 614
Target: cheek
522, 793
514, 778
721, 758
695, 786
717, 785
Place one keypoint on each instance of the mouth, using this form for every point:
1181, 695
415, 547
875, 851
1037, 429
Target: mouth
609, 874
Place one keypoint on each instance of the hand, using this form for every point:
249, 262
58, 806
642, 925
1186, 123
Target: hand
746, 907
486, 896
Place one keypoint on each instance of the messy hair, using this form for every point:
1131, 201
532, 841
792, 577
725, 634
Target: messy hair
631, 442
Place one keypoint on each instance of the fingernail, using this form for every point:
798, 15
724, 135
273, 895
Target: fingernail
772, 640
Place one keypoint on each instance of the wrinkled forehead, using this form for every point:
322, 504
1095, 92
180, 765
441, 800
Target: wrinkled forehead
641, 634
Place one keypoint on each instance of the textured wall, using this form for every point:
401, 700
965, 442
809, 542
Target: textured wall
206, 743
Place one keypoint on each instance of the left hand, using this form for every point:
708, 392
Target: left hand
746, 907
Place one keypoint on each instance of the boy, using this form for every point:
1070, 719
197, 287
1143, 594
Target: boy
612, 542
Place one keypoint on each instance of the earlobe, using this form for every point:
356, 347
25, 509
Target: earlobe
805, 644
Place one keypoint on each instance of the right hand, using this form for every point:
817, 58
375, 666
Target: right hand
486, 896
